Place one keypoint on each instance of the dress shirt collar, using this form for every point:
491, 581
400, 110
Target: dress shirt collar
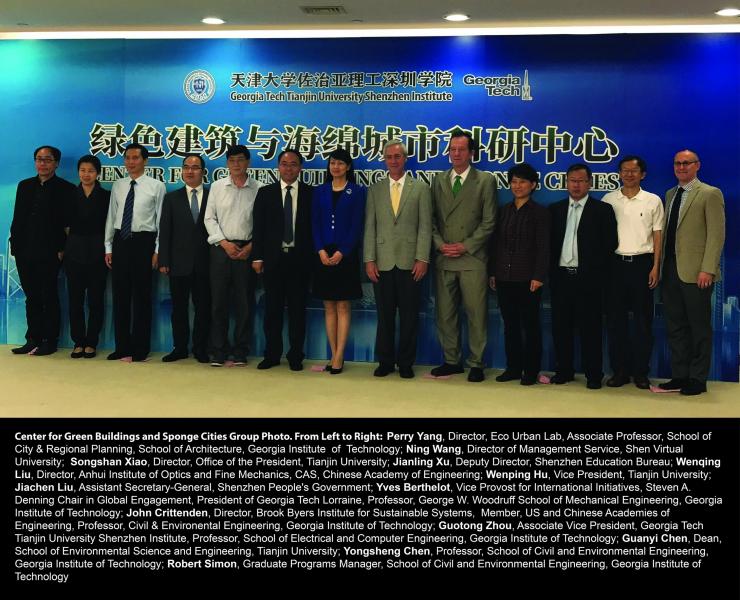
581, 202
463, 175
690, 185
293, 186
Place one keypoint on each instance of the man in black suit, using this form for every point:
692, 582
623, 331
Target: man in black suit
283, 249
583, 237
37, 241
183, 255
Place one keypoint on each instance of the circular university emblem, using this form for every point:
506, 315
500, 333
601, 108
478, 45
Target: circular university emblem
199, 86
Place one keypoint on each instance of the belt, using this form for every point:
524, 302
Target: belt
633, 258
287, 249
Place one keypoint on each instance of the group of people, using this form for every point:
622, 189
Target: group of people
598, 256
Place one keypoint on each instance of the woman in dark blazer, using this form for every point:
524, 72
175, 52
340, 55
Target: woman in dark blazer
84, 258
518, 263
337, 213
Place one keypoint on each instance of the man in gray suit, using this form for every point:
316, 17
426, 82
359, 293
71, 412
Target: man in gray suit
464, 214
694, 233
398, 237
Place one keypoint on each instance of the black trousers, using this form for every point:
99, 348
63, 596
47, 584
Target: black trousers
286, 283
232, 286
132, 292
39, 282
197, 286
86, 280
520, 310
629, 291
396, 290
688, 319
577, 308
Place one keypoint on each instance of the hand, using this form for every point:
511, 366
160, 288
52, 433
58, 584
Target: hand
155, 261
492, 283
164, 270
109, 260
60, 256
653, 278
372, 271
704, 280
453, 250
336, 258
534, 285
258, 267
419, 270
231, 249
244, 253
324, 258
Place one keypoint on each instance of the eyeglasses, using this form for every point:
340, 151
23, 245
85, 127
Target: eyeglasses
630, 171
684, 163
45, 159
191, 168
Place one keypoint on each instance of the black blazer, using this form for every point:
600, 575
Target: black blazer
267, 234
183, 245
597, 236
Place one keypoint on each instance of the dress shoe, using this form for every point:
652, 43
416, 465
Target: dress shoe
593, 384
529, 379
240, 361
509, 375
674, 385
266, 363
174, 355
327, 368
447, 369
297, 365
139, 357
77, 352
406, 372
332, 371
201, 357
384, 369
26, 348
45, 349
561, 378
476, 375
117, 355
617, 380
91, 353
217, 361
694, 387
641, 382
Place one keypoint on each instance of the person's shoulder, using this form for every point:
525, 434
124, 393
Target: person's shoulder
611, 197
706, 188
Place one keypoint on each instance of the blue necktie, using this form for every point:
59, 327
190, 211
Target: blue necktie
194, 205
128, 213
288, 214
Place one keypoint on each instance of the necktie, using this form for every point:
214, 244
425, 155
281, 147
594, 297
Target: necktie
395, 197
128, 213
194, 205
457, 186
570, 241
670, 242
288, 217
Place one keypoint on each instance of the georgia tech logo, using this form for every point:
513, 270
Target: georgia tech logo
199, 86
504, 85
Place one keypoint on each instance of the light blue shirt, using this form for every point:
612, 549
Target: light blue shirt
148, 196
571, 232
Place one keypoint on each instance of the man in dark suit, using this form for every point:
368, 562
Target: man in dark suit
37, 241
692, 245
583, 238
183, 255
283, 249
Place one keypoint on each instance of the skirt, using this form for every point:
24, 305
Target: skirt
341, 282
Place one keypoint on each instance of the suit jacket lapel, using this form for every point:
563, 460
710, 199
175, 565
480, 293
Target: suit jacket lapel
405, 191
686, 202
453, 202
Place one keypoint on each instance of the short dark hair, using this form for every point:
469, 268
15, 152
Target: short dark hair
579, 167
640, 162
460, 133
291, 151
55, 152
346, 158
91, 160
194, 155
136, 146
238, 149
524, 171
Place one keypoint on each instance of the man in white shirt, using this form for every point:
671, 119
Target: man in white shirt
634, 275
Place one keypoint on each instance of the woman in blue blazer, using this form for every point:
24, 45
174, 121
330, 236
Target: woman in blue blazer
337, 213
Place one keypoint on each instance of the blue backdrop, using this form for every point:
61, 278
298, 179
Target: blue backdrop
546, 100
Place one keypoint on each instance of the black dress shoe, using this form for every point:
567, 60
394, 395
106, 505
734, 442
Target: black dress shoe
561, 378
26, 348
384, 369
240, 361
139, 357
447, 369
332, 371
217, 361
406, 372
297, 365
117, 355
174, 355
45, 349
201, 357
266, 363
674, 385
77, 353
593, 384
641, 382
694, 387
476, 375
92, 354
617, 380
509, 375
529, 379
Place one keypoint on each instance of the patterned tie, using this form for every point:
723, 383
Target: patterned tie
128, 213
194, 205
670, 241
457, 186
395, 197
288, 214
570, 244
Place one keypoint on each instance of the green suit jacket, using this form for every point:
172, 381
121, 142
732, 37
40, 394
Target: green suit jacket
700, 232
469, 219
398, 240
